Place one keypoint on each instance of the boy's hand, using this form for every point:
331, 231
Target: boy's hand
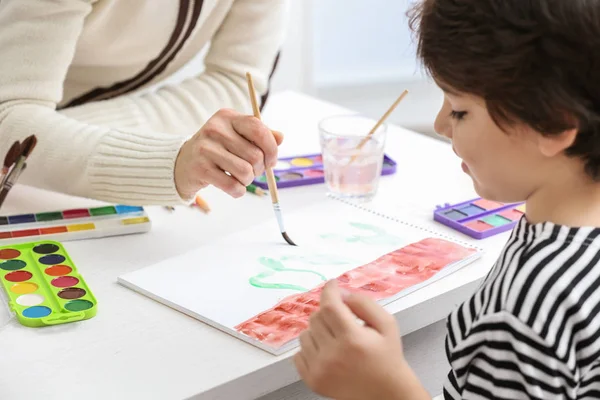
341, 359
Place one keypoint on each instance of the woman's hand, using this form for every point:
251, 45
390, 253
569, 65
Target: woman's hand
342, 359
228, 152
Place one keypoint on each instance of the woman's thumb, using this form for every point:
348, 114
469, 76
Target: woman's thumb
278, 137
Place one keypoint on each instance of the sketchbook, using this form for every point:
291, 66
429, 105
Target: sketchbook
259, 289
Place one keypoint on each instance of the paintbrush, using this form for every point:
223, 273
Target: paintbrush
26, 148
378, 124
269, 171
9, 160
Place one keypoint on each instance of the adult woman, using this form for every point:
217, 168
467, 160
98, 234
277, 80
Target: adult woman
74, 72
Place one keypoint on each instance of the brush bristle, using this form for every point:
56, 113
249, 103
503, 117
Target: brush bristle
12, 155
28, 145
287, 238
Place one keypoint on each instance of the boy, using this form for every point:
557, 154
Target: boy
522, 107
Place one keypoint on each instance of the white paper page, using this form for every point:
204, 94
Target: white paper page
244, 274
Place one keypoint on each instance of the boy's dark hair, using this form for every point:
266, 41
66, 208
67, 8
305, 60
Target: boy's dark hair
533, 61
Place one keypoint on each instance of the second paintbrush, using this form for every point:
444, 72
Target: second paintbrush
11, 177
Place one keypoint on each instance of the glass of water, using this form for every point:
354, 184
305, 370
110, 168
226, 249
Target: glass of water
350, 171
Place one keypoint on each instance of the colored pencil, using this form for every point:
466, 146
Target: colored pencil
269, 171
256, 190
203, 205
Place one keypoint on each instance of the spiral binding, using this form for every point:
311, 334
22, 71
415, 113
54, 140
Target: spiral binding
397, 220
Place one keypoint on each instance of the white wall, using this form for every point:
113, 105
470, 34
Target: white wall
294, 71
359, 54
359, 41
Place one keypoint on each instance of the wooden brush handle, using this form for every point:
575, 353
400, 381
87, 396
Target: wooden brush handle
271, 182
272, 185
378, 124
252, 91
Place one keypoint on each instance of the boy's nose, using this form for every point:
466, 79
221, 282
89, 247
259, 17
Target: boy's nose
442, 124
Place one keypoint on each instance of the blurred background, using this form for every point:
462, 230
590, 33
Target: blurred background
359, 54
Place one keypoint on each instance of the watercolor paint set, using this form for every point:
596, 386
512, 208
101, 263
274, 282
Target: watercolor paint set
480, 218
43, 285
307, 170
76, 224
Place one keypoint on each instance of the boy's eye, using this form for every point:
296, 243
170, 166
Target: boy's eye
458, 115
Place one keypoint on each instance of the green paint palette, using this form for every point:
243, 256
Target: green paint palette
43, 285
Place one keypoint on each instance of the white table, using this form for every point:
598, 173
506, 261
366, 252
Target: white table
136, 348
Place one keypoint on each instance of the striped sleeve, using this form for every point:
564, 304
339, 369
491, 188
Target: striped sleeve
589, 387
502, 358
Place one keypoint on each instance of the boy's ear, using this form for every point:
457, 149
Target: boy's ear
552, 145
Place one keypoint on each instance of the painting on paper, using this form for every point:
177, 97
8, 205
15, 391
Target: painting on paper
381, 279
257, 288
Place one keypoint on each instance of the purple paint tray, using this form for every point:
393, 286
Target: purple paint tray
480, 218
307, 170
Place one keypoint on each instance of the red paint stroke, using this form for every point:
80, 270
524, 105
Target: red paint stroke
379, 279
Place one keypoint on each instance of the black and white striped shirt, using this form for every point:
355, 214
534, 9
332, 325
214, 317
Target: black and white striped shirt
532, 330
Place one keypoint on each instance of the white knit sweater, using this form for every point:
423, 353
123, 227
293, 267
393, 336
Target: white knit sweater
73, 72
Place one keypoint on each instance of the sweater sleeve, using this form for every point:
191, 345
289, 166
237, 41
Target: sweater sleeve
37, 45
248, 40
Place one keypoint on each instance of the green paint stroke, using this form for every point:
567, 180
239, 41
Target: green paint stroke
318, 259
275, 266
378, 236
373, 236
257, 281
